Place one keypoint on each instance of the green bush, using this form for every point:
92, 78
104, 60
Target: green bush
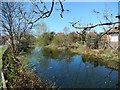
63, 40
45, 38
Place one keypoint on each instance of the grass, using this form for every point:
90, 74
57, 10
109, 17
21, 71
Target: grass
2, 50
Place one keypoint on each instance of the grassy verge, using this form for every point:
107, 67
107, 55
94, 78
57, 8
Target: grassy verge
2, 50
106, 55
1, 53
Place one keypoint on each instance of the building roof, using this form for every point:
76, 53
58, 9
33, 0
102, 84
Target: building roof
74, 34
93, 33
113, 31
4, 38
59, 34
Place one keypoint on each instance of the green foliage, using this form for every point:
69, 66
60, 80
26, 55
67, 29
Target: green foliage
12, 70
63, 40
92, 43
59, 40
82, 38
79, 38
72, 36
1, 53
30, 38
18, 76
45, 38
25, 41
52, 34
2, 50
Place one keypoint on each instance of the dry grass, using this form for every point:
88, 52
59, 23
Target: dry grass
107, 54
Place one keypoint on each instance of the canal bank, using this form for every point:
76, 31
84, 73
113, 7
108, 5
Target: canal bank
106, 56
17, 75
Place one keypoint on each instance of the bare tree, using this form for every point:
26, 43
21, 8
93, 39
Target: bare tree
11, 24
8, 19
66, 30
40, 29
16, 18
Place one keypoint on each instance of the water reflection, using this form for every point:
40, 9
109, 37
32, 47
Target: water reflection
57, 55
69, 70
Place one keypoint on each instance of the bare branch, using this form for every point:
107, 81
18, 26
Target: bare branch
42, 13
99, 18
106, 32
37, 7
89, 27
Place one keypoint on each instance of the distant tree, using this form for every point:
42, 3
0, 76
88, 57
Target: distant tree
82, 36
66, 30
40, 29
62, 40
52, 34
59, 40
72, 37
46, 38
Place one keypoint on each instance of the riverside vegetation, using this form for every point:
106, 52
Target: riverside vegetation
65, 42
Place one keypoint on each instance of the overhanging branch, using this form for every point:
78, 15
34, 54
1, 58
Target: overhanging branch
89, 27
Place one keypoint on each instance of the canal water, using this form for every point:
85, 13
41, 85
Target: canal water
67, 70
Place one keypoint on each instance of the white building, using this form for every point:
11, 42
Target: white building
113, 37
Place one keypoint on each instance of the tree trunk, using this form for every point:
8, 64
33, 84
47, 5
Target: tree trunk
12, 45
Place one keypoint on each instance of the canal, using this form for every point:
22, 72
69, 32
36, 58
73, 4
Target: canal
67, 70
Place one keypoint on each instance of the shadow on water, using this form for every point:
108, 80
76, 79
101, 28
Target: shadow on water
69, 70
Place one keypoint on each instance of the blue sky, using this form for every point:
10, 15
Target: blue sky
79, 11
